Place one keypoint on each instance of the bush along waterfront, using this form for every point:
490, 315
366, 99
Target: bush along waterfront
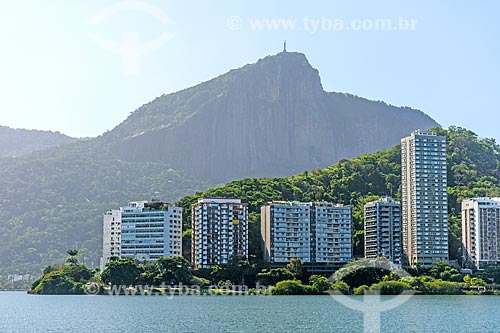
242, 277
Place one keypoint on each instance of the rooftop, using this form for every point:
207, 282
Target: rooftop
218, 200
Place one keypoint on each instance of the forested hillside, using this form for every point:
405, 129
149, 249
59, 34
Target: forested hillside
473, 170
58, 200
19, 142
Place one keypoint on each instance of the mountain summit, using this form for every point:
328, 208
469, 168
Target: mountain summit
270, 118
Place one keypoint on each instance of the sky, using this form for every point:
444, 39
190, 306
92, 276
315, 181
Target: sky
81, 67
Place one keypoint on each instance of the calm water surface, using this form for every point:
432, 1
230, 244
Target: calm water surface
20, 312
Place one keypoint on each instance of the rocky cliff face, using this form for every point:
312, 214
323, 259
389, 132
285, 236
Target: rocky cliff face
271, 118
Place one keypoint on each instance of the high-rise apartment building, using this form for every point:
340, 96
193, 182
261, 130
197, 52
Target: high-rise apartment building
143, 230
314, 232
111, 236
383, 230
219, 231
424, 199
481, 231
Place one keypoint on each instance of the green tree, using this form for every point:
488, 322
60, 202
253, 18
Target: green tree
361, 289
442, 270
172, 271
198, 281
320, 283
391, 287
295, 266
51, 268
292, 287
439, 287
58, 283
121, 272
363, 272
72, 260
67, 279
340, 286
273, 276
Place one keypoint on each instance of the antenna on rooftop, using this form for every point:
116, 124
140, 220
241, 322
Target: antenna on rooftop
284, 46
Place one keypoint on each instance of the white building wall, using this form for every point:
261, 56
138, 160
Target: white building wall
424, 198
333, 233
481, 231
383, 230
314, 232
136, 231
291, 232
111, 240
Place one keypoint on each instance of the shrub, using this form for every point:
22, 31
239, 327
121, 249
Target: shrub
440, 287
340, 286
320, 283
199, 281
390, 287
275, 275
56, 283
292, 287
361, 289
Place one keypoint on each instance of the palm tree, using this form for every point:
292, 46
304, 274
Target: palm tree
72, 260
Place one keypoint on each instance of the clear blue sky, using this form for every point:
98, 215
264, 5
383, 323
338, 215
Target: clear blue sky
56, 75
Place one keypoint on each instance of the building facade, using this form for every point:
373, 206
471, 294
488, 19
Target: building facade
424, 199
111, 236
383, 230
314, 232
481, 232
219, 231
143, 230
286, 231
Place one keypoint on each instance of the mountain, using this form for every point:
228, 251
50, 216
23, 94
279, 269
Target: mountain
271, 118
19, 142
473, 171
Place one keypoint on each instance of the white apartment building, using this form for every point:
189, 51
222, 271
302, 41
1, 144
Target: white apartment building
219, 231
424, 199
314, 232
143, 230
383, 230
481, 231
286, 231
111, 236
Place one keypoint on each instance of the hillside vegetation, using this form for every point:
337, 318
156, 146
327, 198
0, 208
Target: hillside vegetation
55, 199
473, 171
19, 142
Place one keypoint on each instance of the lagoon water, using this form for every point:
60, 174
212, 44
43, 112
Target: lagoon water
20, 312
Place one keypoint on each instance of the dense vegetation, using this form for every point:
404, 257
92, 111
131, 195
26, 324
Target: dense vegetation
473, 171
358, 278
66, 279
19, 142
55, 199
